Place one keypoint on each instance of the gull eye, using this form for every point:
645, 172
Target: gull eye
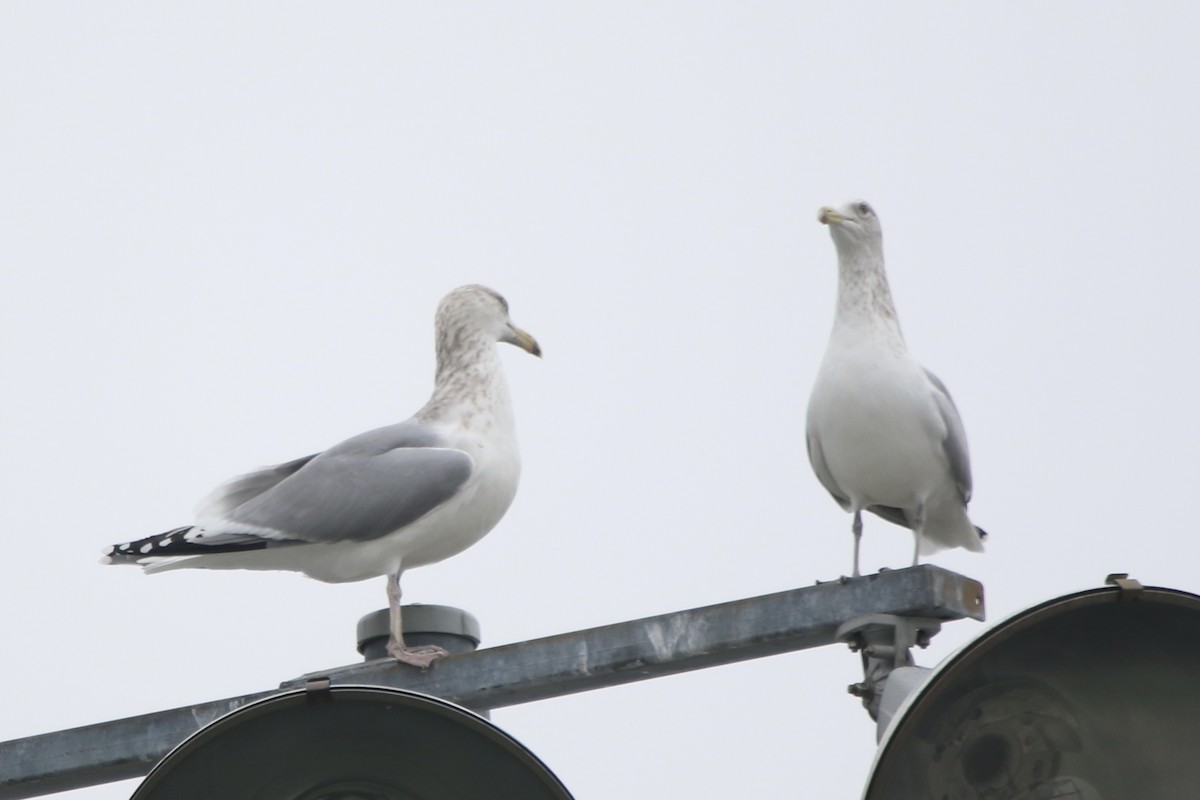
864, 209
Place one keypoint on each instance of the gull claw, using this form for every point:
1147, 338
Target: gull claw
420, 657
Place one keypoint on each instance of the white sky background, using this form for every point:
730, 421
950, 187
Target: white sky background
224, 231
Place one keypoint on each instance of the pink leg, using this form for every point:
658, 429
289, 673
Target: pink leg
856, 529
420, 657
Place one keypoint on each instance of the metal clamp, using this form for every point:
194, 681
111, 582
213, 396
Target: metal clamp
317, 690
1128, 588
885, 642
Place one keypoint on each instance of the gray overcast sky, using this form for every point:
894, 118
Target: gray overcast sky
225, 227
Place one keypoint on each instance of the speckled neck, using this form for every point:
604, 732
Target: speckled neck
864, 297
469, 386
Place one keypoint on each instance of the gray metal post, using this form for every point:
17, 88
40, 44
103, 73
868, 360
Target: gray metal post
520, 673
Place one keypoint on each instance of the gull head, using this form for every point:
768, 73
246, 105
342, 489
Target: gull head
476, 309
853, 225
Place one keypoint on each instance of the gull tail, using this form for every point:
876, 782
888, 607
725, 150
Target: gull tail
957, 531
974, 540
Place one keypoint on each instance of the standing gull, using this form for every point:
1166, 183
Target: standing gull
883, 433
381, 502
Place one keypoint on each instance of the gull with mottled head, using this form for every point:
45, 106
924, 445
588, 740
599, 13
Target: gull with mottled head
883, 433
383, 501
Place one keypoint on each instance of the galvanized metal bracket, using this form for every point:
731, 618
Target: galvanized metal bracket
885, 642
523, 672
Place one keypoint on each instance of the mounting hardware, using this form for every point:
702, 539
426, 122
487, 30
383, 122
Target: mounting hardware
884, 640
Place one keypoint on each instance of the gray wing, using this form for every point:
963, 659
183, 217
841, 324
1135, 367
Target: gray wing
816, 457
244, 488
955, 443
361, 489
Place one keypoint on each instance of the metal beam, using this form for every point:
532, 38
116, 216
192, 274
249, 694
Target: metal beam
519, 673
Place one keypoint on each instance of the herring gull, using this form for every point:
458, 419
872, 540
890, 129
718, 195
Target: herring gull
883, 433
383, 501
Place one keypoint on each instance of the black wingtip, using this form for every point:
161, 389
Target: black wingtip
174, 542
